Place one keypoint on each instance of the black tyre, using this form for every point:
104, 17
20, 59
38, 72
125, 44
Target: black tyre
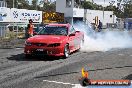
66, 51
28, 56
81, 44
84, 82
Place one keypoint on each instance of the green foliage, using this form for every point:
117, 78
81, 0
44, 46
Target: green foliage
92, 6
127, 9
35, 5
22, 4
126, 12
49, 7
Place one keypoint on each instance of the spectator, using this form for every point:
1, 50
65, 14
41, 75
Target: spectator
30, 28
100, 26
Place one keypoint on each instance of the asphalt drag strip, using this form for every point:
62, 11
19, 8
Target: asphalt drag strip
19, 72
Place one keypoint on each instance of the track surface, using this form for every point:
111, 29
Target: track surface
19, 72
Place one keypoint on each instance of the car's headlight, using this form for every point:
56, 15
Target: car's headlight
54, 45
28, 43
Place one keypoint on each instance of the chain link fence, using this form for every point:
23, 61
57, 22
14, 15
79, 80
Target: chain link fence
2, 31
12, 36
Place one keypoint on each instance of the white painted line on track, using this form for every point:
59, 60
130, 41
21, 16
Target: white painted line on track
79, 86
59, 82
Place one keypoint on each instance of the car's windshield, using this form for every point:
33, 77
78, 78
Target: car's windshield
53, 30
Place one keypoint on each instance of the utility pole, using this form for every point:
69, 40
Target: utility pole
13, 3
36, 4
85, 13
13, 22
103, 12
111, 4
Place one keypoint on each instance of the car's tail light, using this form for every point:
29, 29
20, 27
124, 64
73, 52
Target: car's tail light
54, 45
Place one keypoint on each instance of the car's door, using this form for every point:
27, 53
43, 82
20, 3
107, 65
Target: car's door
72, 39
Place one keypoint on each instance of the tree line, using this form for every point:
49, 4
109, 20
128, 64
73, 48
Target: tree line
34, 5
122, 10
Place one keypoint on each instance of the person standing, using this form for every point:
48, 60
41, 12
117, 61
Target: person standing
100, 26
30, 28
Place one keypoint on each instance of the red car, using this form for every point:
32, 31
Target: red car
54, 40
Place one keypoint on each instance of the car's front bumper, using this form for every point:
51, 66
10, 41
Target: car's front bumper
50, 51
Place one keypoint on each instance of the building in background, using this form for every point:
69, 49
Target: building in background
45, 1
4, 14
73, 12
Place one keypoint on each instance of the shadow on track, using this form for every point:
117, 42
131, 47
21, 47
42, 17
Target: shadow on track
59, 74
50, 74
21, 57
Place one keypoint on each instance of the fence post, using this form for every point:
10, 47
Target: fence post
1, 31
4, 31
17, 31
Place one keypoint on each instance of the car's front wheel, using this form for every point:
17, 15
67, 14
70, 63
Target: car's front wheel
66, 51
28, 56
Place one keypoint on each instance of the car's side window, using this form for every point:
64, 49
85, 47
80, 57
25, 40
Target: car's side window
72, 30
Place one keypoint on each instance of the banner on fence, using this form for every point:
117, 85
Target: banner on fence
23, 15
4, 14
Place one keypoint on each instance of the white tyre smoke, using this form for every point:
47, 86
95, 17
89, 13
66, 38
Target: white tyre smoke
103, 41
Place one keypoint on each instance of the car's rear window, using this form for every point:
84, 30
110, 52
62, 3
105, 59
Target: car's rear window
53, 30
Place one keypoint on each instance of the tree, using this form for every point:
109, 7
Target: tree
128, 9
23, 4
47, 7
10, 3
124, 9
92, 6
34, 5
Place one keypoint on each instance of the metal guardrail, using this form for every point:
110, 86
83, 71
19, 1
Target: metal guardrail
111, 25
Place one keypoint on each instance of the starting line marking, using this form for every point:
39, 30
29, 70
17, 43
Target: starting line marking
59, 82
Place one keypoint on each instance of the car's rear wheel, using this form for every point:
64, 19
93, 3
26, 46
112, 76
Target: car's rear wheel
66, 51
81, 43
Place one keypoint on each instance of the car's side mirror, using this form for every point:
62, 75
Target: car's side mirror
72, 34
77, 31
35, 33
